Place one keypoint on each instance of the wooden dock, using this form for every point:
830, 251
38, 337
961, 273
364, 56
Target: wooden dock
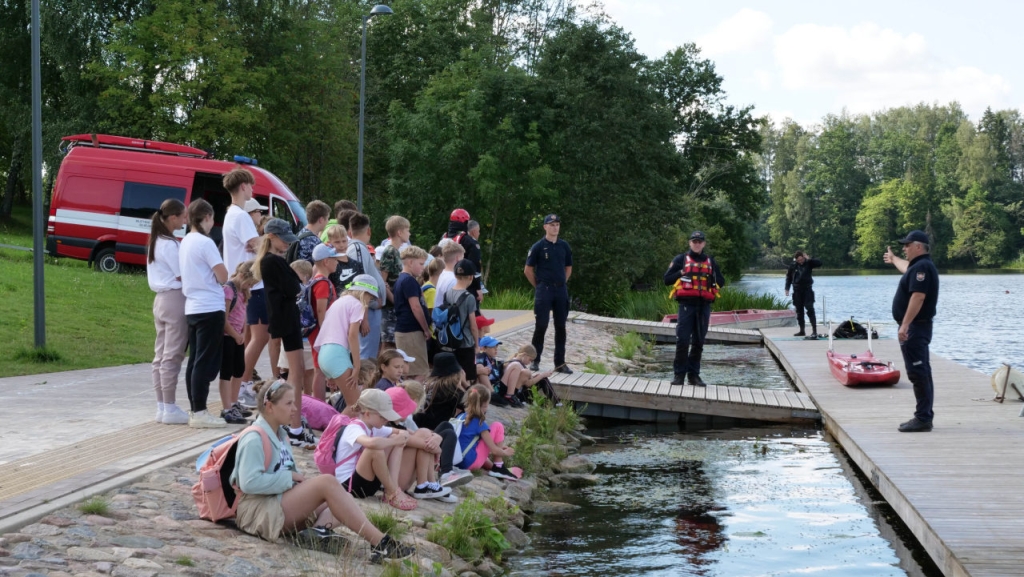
955, 487
716, 335
662, 397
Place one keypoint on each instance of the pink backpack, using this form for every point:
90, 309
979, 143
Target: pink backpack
213, 493
327, 447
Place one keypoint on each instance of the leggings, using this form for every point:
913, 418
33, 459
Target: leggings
448, 441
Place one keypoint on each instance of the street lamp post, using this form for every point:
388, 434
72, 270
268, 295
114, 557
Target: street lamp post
379, 9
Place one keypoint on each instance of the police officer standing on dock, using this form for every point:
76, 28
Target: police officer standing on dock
799, 277
548, 268
695, 279
913, 308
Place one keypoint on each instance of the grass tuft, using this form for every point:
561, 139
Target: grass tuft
95, 506
387, 521
38, 355
185, 561
597, 367
515, 299
469, 532
654, 305
409, 568
627, 346
536, 447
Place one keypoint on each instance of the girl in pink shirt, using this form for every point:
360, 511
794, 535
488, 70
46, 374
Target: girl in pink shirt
232, 366
339, 337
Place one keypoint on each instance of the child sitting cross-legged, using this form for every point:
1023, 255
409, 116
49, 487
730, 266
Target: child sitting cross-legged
479, 440
371, 455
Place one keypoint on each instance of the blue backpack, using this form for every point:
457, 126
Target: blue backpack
447, 324
305, 303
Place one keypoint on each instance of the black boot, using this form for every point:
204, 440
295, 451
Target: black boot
695, 380
679, 380
799, 334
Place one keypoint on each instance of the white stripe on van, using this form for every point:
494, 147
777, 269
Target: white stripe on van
107, 221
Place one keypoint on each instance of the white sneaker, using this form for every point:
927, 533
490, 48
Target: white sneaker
450, 498
246, 397
456, 478
204, 420
173, 415
160, 412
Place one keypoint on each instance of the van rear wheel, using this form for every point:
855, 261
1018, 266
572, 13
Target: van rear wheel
105, 261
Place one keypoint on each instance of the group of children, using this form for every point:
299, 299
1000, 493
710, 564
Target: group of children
408, 421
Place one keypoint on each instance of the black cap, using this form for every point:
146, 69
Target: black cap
697, 235
465, 267
551, 218
915, 236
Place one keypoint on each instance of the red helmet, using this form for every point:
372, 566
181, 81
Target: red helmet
459, 215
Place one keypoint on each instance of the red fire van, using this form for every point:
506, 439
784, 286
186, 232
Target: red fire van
108, 188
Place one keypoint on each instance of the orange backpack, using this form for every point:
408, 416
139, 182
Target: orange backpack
213, 493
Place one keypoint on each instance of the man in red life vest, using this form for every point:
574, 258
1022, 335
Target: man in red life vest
695, 279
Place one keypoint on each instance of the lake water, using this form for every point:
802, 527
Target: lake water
762, 502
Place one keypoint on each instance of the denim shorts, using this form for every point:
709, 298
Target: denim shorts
256, 309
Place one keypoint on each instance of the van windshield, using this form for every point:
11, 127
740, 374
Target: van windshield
296, 207
299, 211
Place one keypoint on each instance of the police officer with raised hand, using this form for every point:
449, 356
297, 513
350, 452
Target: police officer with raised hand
799, 277
695, 279
913, 307
548, 268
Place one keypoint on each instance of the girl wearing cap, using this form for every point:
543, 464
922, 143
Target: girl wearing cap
382, 461
339, 337
279, 499
282, 286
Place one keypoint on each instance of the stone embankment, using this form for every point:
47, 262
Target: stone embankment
150, 528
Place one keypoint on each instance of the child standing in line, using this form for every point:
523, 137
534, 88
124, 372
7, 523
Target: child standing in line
412, 325
337, 343
304, 270
321, 295
462, 300
480, 440
347, 268
428, 282
391, 367
202, 274
164, 275
232, 366
390, 262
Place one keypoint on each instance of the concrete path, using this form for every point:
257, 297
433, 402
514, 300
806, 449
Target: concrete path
74, 434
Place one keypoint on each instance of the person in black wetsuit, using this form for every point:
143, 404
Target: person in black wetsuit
799, 277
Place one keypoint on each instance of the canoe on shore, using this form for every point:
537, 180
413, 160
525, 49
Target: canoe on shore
747, 319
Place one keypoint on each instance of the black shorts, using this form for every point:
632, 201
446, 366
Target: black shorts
360, 487
467, 360
232, 360
292, 342
256, 308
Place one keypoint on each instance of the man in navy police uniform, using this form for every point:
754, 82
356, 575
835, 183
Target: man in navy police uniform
913, 307
548, 268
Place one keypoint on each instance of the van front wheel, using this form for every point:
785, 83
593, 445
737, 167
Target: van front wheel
105, 261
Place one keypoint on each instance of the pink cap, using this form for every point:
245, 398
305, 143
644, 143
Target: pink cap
401, 401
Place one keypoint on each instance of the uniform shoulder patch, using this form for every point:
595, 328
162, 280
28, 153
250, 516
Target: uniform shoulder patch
920, 276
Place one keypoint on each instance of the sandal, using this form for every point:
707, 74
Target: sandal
400, 501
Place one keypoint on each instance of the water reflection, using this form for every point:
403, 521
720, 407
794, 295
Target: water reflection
769, 501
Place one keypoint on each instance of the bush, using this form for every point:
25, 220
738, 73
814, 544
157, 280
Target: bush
645, 306
627, 345
540, 427
515, 299
469, 533
95, 506
596, 367
732, 299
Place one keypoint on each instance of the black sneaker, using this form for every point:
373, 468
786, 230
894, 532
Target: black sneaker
535, 366
321, 539
241, 410
498, 401
679, 380
694, 380
305, 439
431, 491
799, 334
915, 426
813, 336
513, 402
233, 417
502, 473
564, 369
388, 548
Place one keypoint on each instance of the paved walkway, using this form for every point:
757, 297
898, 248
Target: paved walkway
74, 434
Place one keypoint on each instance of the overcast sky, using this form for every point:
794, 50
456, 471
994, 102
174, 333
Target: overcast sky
806, 59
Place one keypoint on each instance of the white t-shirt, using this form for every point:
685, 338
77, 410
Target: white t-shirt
347, 447
164, 273
238, 229
445, 282
197, 257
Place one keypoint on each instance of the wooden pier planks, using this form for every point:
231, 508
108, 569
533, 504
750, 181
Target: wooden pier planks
737, 402
715, 334
953, 487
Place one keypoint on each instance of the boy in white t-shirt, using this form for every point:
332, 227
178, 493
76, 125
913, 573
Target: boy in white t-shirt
240, 242
452, 252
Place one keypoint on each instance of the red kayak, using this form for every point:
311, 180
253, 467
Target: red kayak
861, 369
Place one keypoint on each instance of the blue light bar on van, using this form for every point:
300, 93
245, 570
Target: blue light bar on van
245, 160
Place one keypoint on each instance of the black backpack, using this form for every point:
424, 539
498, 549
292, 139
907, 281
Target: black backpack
293, 249
852, 330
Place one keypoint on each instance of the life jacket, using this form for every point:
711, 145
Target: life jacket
696, 280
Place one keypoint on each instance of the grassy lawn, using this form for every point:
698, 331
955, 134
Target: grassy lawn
92, 319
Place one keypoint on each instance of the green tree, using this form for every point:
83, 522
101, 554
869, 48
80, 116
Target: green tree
980, 229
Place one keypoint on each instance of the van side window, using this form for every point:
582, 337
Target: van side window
280, 210
142, 200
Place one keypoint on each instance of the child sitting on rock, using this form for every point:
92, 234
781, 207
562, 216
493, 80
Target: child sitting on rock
407, 399
480, 440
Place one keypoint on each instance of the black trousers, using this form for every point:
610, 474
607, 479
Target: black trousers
448, 441
548, 298
803, 298
205, 343
919, 369
691, 330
